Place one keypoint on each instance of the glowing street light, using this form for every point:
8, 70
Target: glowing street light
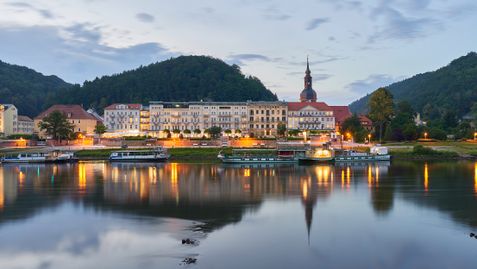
425, 135
369, 138
475, 136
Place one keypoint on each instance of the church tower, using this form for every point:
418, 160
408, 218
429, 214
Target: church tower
308, 94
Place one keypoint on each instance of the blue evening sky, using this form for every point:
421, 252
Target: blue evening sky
354, 46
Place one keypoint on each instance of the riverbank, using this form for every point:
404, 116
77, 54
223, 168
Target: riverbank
186, 155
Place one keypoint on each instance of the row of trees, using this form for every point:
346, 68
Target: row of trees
396, 122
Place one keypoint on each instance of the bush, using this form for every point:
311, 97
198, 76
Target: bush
421, 150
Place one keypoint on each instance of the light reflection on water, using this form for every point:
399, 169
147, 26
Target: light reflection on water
102, 215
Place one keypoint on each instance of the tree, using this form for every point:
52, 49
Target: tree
238, 131
352, 125
100, 129
187, 131
381, 108
176, 131
57, 125
197, 131
294, 132
281, 129
214, 131
228, 131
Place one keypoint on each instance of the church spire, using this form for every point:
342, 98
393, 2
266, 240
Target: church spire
308, 94
307, 66
308, 78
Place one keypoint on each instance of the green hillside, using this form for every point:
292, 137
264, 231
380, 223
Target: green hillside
186, 78
27, 89
450, 88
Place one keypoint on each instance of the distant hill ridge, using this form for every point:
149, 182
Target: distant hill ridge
28, 90
185, 78
450, 88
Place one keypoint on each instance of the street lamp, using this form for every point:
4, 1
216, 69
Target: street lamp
369, 138
475, 136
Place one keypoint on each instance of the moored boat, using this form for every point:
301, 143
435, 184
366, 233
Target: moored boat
377, 153
317, 155
53, 156
254, 156
157, 155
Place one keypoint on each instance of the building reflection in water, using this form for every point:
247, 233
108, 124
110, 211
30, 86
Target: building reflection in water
182, 190
475, 178
426, 177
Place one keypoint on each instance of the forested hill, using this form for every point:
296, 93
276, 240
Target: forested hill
450, 88
186, 78
27, 89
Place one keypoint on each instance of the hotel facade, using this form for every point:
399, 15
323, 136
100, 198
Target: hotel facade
251, 118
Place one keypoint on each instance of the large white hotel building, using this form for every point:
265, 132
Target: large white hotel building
257, 118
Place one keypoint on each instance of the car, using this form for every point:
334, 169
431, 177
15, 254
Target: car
203, 144
195, 144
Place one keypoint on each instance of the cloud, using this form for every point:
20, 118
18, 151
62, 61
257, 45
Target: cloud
371, 83
320, 77
345, 4
239, 59
26, 6
314, 23
76, 51
394, 24
272, 13
145, 17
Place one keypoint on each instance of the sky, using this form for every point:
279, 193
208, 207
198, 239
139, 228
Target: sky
354, 46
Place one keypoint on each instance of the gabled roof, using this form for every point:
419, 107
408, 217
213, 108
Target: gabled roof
76, 112
296, 106
24, 118
341, 113
129, 106
363, 118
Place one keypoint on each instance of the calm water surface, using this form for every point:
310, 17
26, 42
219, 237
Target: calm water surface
101, 215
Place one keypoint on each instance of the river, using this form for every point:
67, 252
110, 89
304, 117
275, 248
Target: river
100, 215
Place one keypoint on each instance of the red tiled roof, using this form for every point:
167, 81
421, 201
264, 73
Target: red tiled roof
295, 106
130, 106
364, 119
24, 118
76, 111
341, 113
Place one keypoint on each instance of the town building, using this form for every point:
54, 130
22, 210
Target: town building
123, 119
366, 122
308, 114
8, 119
25, 125
341, 113
192, 116
264, 117
83, 121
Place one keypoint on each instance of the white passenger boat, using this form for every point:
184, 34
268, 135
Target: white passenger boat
156, 155
249, 156
27, 157
54, 156
377, 153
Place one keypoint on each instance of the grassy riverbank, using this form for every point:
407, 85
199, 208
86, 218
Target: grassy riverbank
420, 152
189, 155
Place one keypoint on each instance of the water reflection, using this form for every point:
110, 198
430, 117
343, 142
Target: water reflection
215, 196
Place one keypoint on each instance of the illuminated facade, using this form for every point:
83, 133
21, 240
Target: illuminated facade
25, 125
264, 117
123, 118
83, 121
8, 119
192, 116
